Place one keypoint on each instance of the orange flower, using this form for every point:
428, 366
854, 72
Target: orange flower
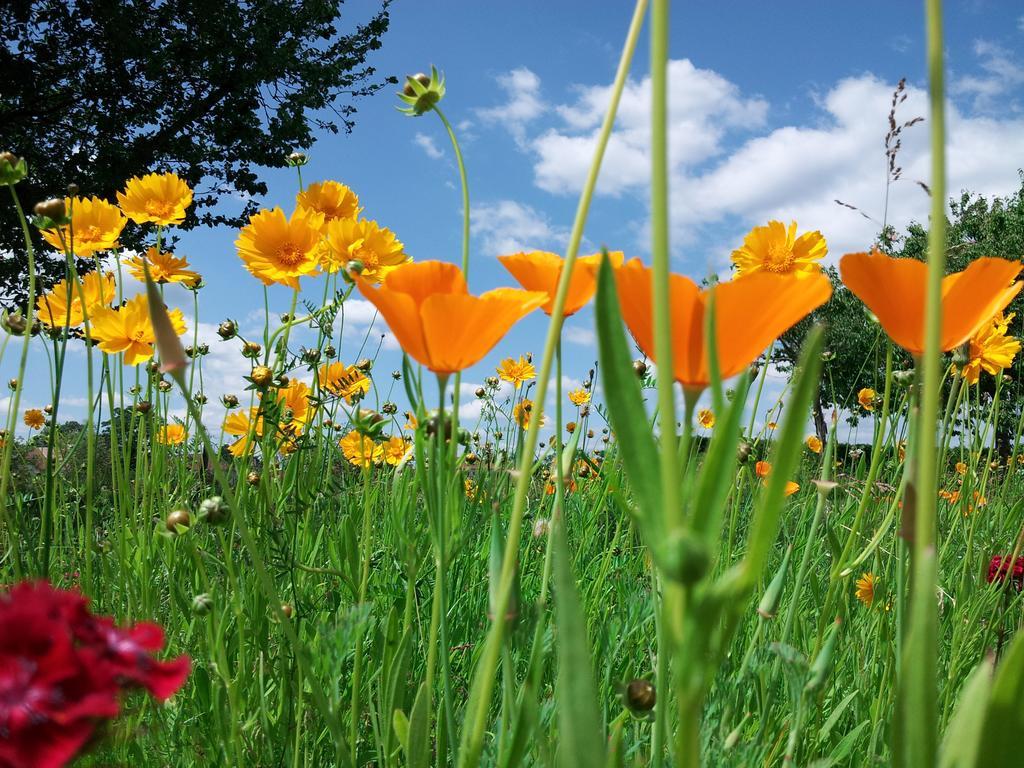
752, 312
894, 289
762, 469
437, 321
541, 271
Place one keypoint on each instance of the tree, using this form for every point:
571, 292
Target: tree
97, 91
856, 345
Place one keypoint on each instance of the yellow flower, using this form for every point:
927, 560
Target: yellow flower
374, 248
361, 450
333, 200
521, 413
171, 434
34, 418
396, 449
865, 591
706, 418
241, 424
296, 410
160, 198
412, 422
95, 226
345, 381
52, 309
961, 468
791, 488
470, 489
579, 396
516, 372
866, 398
772, 425
762, 469
164, 267
774, 248
280, 250
128, 329
991, 349
813, 443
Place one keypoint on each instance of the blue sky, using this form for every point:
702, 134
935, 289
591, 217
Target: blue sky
779, 108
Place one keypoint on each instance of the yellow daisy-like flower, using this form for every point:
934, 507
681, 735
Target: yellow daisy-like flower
516, 372
241, 424
332, 199
171, 434
53, 309
813, 443
129, 330
961, 468
579, 396
345, 381
706, 418
296, 409
280, 250
776, 248
95, 227
865, 590
521, 412
866, 398
34, 418
373, 248
361, 450
164, 267
396, 449
157, 198
991, 349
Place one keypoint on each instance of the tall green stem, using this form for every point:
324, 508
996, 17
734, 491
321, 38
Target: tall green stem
483, 686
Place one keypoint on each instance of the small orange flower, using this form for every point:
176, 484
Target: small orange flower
866, 398
171, 434
437, 321
164, 267
865, 588
541, 271
813, 443
961, 468
280, 250
521, 412
331, 198
579, 396
894, 289
516, 372
752, 312
34, 418
706, 418
396, 449
762, 469
791, 488
160, 198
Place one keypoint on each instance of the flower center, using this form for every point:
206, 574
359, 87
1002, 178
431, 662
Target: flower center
161, 209
367, 256
289, 254
780, 259
90, 234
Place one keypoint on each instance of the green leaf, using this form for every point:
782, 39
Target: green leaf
581, 737
625, 402
1004, 721
962, 741
417, 751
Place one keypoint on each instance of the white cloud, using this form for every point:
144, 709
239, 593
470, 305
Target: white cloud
428, 145
579, 334
506, 226
703, 108
1001, 74
523, 106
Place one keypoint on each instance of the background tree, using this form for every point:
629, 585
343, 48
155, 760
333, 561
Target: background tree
96, 91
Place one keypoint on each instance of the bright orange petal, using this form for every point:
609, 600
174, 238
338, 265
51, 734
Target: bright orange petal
751, 312
402, 315
421, 279
894, 289
460, 329
536, 271
971, 298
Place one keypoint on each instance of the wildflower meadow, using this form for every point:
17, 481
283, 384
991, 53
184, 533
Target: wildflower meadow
707, 547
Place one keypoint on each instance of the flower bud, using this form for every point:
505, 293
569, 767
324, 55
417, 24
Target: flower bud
355, 267
364, 365
200, 398
640, 367
330, 352
52, 209
640, 696
73, 190
481, 392
164, 386
261, 376
12, 384
251, 350
770, 601
471, 458
48, 410
389, 408
14, 323
214, 510
178, 520
227, 330
421, 77
12, 168
253, 478
143, 407
541, 527
287, 610
743, 452
296, 159
202, 604
311, 356
396, 375
422, 92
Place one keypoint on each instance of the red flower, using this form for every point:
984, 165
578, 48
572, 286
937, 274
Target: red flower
62, 671
999, 567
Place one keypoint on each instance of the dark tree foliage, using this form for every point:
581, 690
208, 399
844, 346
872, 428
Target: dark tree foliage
977, 227
96, 91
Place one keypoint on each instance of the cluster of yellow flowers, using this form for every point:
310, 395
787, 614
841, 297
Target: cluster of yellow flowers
323, 233
363, 451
